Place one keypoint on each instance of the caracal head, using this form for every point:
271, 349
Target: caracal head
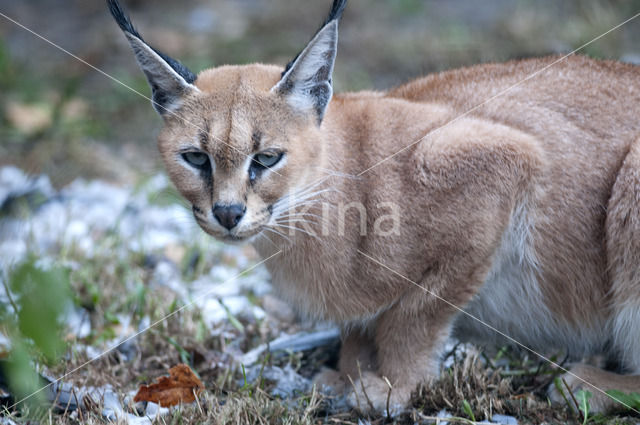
237, 141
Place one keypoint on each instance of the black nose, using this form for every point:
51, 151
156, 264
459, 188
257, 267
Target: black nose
229, 215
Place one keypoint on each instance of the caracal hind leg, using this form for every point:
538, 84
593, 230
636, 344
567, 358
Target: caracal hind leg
623, 250
623, 256
597, 382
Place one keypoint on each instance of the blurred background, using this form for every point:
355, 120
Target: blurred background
64, 119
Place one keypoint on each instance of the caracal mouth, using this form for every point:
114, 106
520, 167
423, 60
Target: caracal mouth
229, 237
233, 239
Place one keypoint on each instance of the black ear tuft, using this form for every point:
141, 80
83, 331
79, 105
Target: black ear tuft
122, 19
337, 8
306, 82
336, 11
170, 81
124, 22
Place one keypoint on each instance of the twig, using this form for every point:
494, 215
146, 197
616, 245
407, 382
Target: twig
572, 397
355, 391
558, 386
366, 396
73, 395
388, 395
195, 395
6, 288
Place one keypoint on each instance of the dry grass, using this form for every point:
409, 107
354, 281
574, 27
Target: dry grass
227, 400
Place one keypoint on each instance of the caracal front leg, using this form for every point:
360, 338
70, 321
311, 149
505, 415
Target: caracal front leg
357, 355
409, 338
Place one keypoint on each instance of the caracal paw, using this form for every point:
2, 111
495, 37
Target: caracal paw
372, 394
330, 382
579, 378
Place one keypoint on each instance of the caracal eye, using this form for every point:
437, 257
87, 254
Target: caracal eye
267, 160
196, 159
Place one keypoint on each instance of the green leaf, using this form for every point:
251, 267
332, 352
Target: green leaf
42, 296
466, 407
628, 400
23, 380
583, 403
232, 319
185, 357
111, 318
557, 382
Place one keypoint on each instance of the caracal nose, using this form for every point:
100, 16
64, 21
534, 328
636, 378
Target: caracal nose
229, 215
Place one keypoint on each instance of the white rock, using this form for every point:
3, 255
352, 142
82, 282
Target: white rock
297, 342
167, 274
78, 321
153, 409
287, 382
443, 414
504, 420
144, 324
14, 181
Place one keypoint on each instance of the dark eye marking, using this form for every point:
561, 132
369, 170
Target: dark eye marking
204, 135
256, 138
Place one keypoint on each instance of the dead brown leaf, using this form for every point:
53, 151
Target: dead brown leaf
181, 386
29, 118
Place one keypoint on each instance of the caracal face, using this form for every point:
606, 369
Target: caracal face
239, 140
229, 154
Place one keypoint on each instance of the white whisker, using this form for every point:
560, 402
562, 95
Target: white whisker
335, 173
271, 229
267, 237
297, 220
302, 214
299, 200
298, 229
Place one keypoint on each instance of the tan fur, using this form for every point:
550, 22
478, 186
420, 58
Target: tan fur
535, 192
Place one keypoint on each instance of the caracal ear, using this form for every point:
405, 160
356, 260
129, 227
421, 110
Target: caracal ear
170, 81
306, 82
